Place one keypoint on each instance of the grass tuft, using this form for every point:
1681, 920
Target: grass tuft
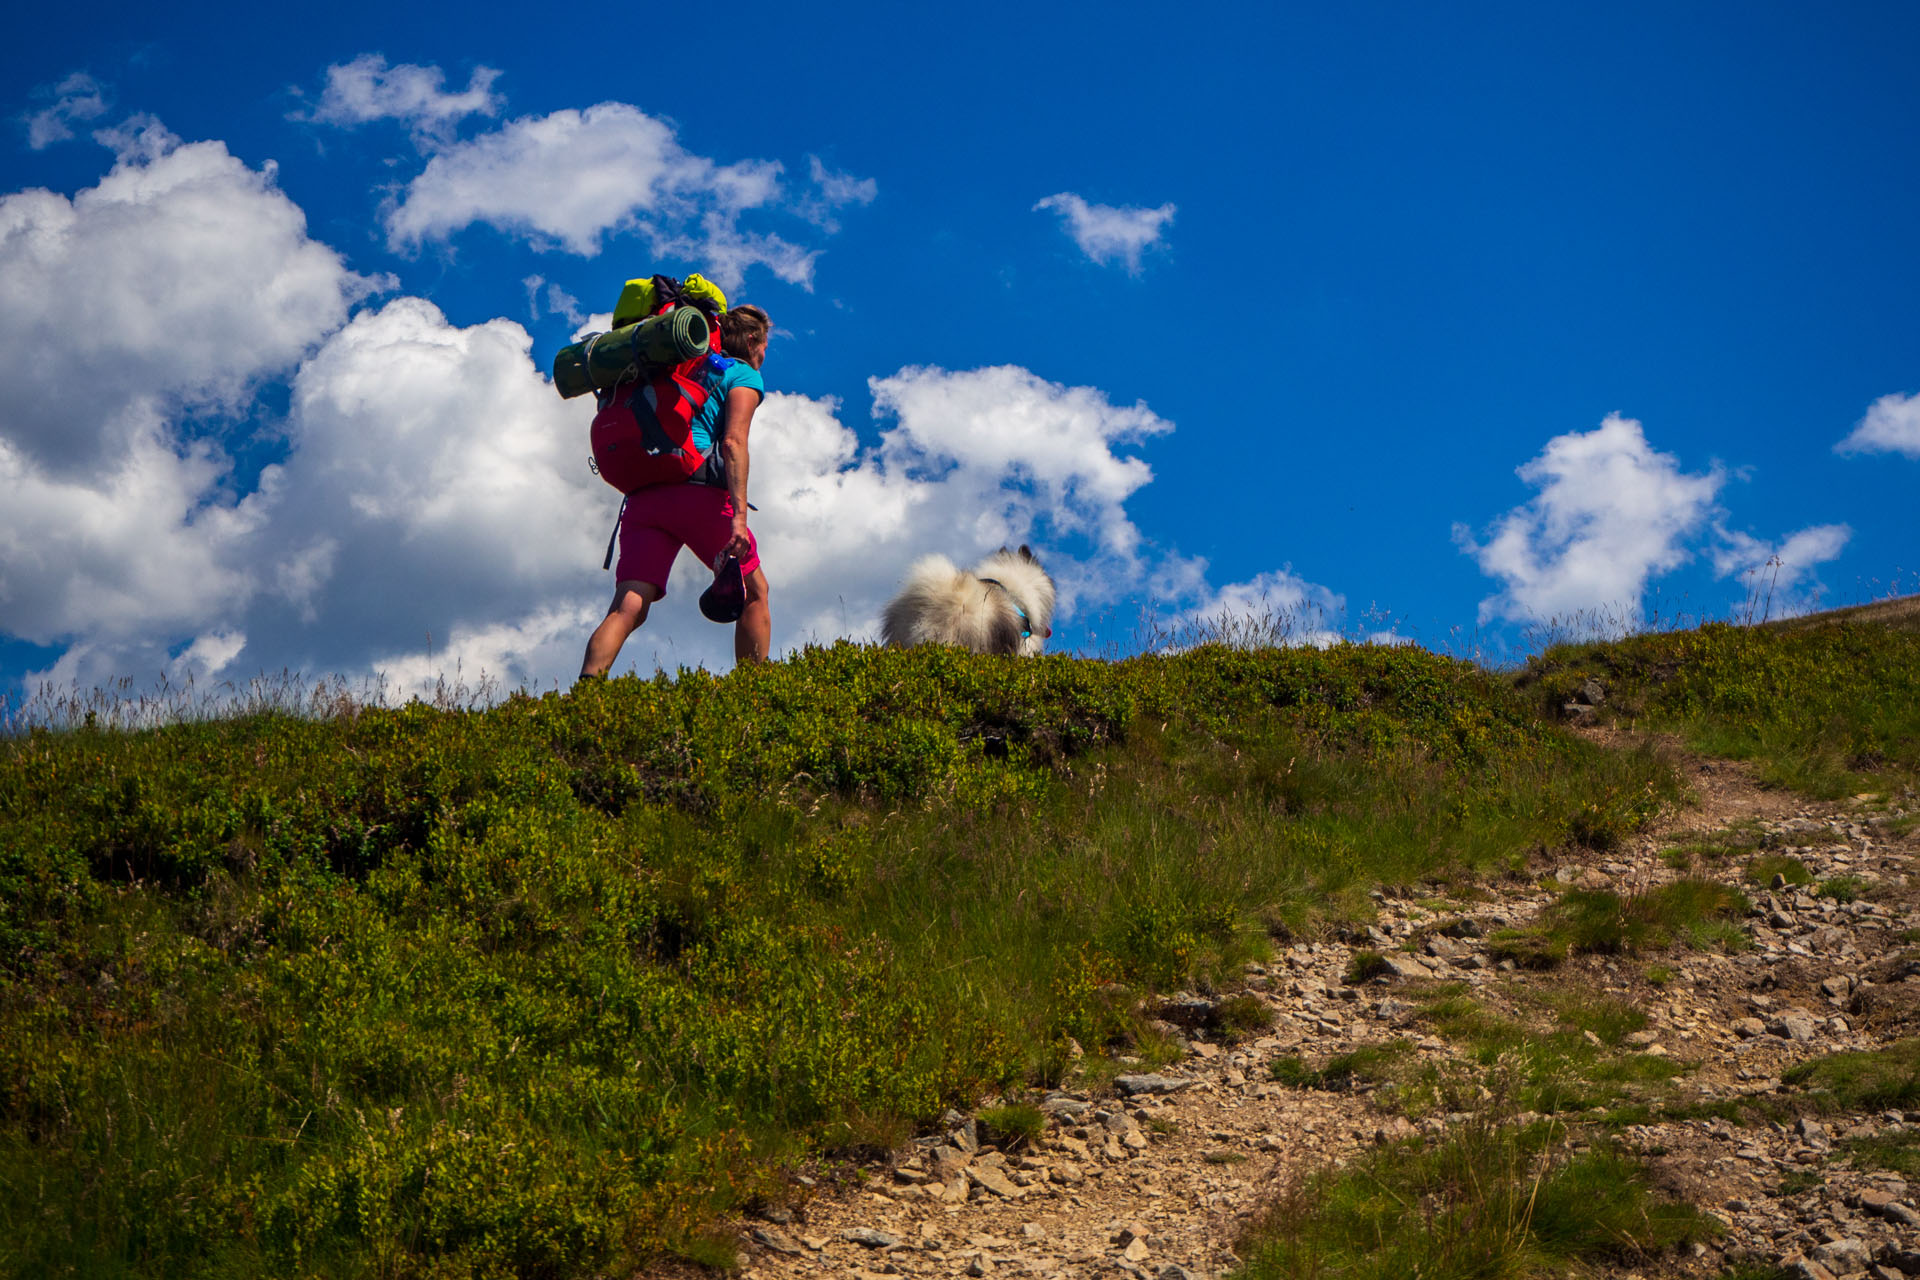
1868, 1080
1487, 1201
1370, 1063
1895, 1152
1242, 1015
1842, 888
1562, 1068
1695, 913
1763, 869
1015, 1124
1365, 965
1712, 848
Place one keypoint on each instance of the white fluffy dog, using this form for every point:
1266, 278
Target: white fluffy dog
1004, 606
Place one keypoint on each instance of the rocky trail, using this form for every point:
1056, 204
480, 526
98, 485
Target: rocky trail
1156, 1176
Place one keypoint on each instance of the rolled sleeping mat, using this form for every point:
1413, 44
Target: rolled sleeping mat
680, 334
570, 369
603, 359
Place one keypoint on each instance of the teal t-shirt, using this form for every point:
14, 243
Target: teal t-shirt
720, 383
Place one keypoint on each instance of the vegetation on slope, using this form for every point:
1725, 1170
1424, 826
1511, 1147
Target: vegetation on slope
1487, 1201
1825, 706
542, 989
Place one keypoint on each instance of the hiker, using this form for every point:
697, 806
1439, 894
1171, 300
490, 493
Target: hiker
709, 517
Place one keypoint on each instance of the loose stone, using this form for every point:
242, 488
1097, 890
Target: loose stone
870, 1238
1149, 1084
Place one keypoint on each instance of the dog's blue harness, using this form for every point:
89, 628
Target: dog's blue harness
1026, 627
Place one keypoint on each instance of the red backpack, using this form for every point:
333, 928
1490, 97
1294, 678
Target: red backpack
643, 434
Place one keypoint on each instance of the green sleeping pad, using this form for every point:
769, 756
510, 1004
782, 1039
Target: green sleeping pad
602, 359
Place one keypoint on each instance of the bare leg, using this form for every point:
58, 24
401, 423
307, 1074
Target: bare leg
753, 634
624, 616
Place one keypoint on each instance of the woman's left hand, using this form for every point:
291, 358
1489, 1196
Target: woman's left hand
739, 544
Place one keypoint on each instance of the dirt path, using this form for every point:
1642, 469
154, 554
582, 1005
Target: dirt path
1158, 1184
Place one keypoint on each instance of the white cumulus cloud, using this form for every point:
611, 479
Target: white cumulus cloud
1610, 513
165, 293
434, 480
434, 508
367, 89
570, 178
1892, 425
1107, 234
182, 278
145, 541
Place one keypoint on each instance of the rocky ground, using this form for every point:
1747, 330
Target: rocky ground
1156, 1175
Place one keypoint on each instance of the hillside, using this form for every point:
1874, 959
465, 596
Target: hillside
564, 987
1900, 612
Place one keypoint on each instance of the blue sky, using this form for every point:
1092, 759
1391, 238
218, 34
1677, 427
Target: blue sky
1457, 319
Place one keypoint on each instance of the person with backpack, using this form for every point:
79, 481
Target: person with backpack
707, 512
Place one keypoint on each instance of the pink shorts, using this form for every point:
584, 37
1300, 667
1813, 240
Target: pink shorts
659, 521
